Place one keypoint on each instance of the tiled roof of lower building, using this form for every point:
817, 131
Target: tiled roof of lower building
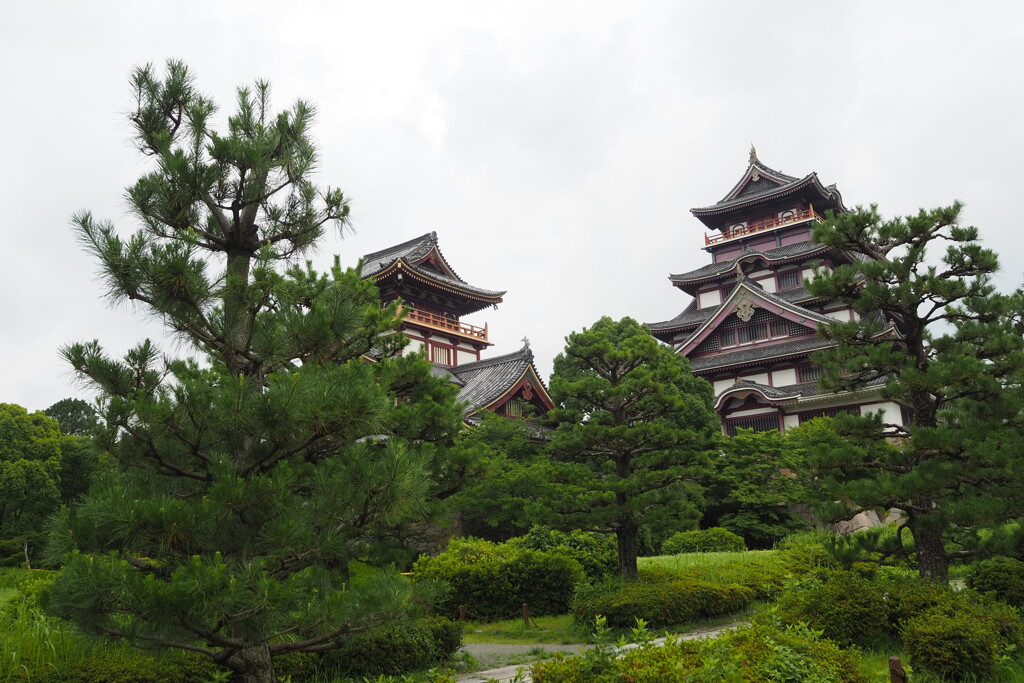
485, 381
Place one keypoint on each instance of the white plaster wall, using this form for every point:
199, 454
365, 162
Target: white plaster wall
768, 284
790, 421
842, 314
465, 356
760, 378
781, 378
415, 346
891, 412
759, 273
721, 385
707, 299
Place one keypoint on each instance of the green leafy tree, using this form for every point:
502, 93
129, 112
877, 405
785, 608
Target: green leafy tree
75, 416
955, 362
30, 479
252, 472
753, 483
633, 424
507, 480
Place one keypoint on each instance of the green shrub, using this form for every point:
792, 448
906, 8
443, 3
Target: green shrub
1001, 576
908, 597
713, 540
762, 652
951, 646
659, 604
847, 608
396, 648
596, 553
493, 581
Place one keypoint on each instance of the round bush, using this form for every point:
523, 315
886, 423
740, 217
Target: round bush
713, 540
951, 646
847, 608
1001, 576
493, 581
396, 648
596, 553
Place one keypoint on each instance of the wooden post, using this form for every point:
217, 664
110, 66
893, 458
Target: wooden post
462, 612
896, 672
526, 614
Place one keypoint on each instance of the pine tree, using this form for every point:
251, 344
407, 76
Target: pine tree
956, 365
255, 469
633, 424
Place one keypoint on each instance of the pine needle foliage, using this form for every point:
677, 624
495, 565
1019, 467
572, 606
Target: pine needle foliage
252, 472
949, 348
633, 424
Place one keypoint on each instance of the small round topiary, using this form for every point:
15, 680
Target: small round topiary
1001, 576
951, 646
713, 540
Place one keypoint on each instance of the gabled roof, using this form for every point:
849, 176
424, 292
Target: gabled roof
692, 316
747, 290
488, 384
746, 355
422, 260
761, 184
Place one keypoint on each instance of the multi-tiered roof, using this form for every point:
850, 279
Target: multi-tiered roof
435, 298
751, 327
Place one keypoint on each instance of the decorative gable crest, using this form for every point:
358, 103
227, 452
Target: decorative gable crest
745, 309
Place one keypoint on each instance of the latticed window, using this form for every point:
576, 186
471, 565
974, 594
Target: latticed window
440, 355
752, 333
517, 407
780, 327
788, 280
759, 423
808, 373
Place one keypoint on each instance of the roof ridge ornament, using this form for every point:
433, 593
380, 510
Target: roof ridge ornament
753, 154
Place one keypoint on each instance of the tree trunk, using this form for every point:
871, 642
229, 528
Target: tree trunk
252, 665
932, 563
627, 538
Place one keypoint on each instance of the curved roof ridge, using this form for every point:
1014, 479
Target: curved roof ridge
775, 254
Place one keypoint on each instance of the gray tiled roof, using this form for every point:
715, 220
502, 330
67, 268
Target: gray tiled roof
764, 191
803, 389
801, 346
411, 251
485, 380
771, 255
414, 250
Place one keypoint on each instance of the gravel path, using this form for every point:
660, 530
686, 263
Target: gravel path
490, 654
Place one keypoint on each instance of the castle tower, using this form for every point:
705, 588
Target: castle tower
418, 273
436, 299
750, 329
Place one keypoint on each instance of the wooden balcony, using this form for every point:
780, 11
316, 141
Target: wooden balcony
770, 224
439, 322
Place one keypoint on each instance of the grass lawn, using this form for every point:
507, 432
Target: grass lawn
559, 629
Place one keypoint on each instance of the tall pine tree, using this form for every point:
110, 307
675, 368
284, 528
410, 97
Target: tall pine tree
956, 365
253, 471
632, 425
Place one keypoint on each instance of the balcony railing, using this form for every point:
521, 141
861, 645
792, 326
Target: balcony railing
439, 322
761, 226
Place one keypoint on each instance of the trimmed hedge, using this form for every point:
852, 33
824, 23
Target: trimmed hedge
494, 580
658, 603
397, 648
596, 553
713, 540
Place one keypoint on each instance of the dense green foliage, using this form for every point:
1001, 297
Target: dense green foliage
252, 473
1002, 577
760, 653
845, 607
594, 552
493, 580
713, 540
664, 601
75, 416
40, 468
753, 484
397, 648
633, 424
946, 345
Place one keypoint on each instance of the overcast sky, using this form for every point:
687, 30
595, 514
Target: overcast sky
555, 147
